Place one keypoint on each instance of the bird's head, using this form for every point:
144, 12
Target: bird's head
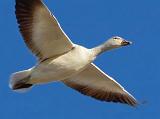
112, 43
117, 41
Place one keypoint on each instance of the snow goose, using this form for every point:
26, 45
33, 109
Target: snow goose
61, 60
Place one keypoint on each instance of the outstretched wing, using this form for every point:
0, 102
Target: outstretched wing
95, 83
40, 29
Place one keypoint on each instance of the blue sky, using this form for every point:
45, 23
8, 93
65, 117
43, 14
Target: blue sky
89, 23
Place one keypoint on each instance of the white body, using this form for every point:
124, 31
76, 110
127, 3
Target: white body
62, 67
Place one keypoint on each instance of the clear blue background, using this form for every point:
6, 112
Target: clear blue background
89, 23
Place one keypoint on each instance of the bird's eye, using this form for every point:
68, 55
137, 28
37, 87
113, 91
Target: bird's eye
116, 38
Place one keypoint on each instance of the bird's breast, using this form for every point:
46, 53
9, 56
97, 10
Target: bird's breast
62, 67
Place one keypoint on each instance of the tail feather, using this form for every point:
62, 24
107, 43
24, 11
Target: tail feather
18, 81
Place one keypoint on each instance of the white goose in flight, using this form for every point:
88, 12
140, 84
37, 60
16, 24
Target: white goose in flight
61, 60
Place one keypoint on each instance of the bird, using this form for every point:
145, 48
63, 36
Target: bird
59, 59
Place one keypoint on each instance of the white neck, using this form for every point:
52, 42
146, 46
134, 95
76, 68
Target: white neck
102, 48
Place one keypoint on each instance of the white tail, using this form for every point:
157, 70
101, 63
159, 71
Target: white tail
18, 81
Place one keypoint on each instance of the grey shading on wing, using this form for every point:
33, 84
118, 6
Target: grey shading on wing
40, 29
95, 83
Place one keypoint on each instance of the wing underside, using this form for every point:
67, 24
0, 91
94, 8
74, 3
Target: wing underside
95, 83
40, 29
